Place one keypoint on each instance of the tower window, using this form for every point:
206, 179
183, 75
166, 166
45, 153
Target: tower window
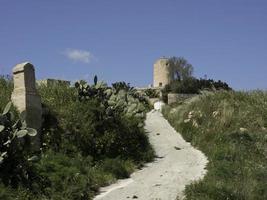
160, 84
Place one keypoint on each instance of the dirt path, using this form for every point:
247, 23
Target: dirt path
177, 165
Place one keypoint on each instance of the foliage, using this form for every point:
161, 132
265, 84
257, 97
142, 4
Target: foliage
15, 150
181, 68
120, 168
67, 177
91, 135
194, 86
230, 128
97, 121
121, 99
151, 93
122, 86
6, 87
70, 177
109, 122
98, 133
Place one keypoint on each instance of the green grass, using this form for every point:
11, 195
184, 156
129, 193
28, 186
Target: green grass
230, 128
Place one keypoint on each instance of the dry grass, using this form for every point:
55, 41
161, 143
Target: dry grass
230, 128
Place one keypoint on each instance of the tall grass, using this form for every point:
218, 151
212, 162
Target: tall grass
230, 128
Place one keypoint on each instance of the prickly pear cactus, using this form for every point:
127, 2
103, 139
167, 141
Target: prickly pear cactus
120, 99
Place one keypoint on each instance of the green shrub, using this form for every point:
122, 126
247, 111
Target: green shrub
120, 168
67, 177
5, 193
193, 85
95, 121
93, 125
15, 150
6, 87
151, 93
122, 86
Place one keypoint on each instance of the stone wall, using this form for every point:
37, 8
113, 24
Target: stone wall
175, 97
52, 82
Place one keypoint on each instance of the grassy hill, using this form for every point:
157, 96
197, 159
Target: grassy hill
231, 129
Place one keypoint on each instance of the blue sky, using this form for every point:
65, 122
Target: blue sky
119, 40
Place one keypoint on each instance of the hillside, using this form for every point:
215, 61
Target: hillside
230, 128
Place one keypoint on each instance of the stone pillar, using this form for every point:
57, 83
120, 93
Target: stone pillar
26, 98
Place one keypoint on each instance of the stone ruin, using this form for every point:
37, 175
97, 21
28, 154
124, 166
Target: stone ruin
52, 82
163, 73
26, 98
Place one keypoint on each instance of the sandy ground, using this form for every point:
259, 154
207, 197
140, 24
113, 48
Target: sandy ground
177, 165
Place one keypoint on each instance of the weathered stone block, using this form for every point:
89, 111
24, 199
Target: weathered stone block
26, 98
175, 97
53, 82
172, 98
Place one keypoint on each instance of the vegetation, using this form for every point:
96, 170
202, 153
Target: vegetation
181, 67
15, 152
230, 128
195, 86
152, 93
6, 87
184, 82
91, 135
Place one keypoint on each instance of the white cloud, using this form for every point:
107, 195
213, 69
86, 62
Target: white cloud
78, 55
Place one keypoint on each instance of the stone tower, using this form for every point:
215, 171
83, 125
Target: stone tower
162, 72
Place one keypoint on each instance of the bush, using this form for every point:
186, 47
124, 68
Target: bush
96, 121
15, 150
193, 85
6, 87
107, 124
67, 177
151, 93
120, 168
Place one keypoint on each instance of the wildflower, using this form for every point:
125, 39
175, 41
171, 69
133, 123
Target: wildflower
195, 124
243, 130
215, 113
186, 120
190, 114
200, 114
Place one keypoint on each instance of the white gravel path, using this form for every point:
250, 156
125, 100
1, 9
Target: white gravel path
177, 165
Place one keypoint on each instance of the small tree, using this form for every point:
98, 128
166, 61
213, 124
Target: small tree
181, 68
